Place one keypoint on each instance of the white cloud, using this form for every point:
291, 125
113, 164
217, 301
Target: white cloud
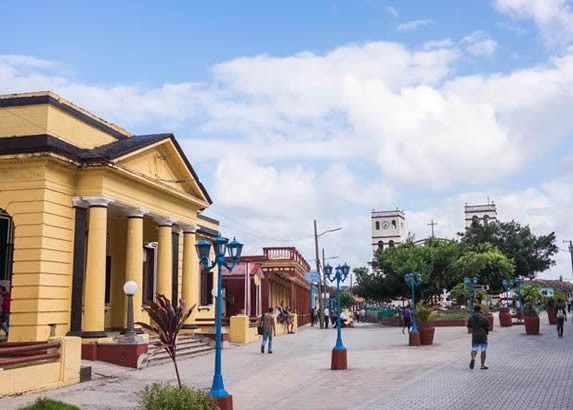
413, 25
393, 12
479, 44
553, 17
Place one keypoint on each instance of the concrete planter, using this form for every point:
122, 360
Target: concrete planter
427, 335
414, 339
505, 319
532, 324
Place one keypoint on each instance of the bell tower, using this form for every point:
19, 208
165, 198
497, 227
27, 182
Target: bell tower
483, 214
387, 228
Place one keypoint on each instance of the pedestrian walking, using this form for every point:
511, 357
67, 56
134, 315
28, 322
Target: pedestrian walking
479, 327
326, 317
561, 315
269, 329
406, 318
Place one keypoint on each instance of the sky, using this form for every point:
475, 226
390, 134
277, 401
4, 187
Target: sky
296, 111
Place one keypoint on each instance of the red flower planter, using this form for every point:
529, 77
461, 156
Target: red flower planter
427, 335
532, 324
505, 319
552, 316
414, 339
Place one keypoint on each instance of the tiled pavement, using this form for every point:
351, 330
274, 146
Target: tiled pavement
526, 372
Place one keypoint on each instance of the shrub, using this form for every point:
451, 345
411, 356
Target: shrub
168, 397
424, 314
44, 403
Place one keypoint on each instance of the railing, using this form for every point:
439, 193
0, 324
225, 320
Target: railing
22, 353
285, 254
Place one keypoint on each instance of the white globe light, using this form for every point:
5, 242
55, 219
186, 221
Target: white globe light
130, 287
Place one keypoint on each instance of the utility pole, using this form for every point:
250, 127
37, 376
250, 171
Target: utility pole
324, 285
571, 252
320, 301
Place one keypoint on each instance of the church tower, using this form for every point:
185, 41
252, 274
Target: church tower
387, 228
481, 213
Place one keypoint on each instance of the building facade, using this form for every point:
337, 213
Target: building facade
387, 228
482, 214
85, 206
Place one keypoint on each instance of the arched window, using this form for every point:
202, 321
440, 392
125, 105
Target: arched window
377, 225
380, 245
391, 244
6, 245
475, 220
393, 224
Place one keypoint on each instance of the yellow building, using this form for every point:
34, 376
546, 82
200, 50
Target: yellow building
85, 206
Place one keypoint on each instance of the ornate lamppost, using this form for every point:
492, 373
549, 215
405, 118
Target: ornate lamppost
221, 245
470, 284
413, 280
130, 288
338, 360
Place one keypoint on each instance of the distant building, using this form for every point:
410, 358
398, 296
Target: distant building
387, 228
482, 214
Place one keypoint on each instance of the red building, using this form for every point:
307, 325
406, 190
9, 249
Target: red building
274, 278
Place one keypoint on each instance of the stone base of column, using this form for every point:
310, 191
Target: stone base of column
338, 360
224, 403
414, 339
138, 331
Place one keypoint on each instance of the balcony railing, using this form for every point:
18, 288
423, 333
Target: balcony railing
285, 254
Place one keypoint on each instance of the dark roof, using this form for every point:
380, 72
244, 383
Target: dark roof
203, 230
100, 155
207, 218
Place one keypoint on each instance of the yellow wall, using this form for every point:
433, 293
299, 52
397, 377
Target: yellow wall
27, 120
64, 371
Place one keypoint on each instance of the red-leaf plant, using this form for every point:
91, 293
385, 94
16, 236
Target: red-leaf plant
167, 321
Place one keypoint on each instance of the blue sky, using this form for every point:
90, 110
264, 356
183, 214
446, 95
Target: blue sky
327, 109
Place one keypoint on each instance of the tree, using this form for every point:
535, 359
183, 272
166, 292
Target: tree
460, 294
488, 264
530, 254
346, 299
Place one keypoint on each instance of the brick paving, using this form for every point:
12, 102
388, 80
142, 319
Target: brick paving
526, 372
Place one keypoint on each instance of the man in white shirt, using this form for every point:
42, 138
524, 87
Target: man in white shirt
326, 317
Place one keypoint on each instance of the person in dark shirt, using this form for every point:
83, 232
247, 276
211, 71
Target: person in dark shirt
479, 327
561, 315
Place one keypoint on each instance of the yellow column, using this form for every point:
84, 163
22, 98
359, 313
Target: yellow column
190, 281
134, 260
94, 299
165, 257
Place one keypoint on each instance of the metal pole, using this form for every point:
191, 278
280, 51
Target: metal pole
218, 388
414, 327
339, 345
320, 301
325, 286
130, 331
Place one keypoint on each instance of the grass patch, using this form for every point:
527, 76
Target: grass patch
168, 397
48, 404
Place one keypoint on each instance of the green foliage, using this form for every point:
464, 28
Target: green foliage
44, 403
460, 294
424, 314
481, 296
530, 254
167, 397
346, 299
532, 298
549, 302
488, 264
450, 315
167, 322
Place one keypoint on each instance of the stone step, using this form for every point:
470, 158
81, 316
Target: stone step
187, 346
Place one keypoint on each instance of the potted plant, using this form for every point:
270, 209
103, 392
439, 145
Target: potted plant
549, 303
531, 299
424, 316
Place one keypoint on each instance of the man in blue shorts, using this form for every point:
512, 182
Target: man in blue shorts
479, 327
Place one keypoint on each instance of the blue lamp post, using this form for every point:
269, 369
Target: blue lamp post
470, 284
506, 283
338, 360
413, 280
221, 246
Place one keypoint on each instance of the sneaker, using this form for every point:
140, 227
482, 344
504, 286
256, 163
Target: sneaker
472, 363
270, 351
262, 349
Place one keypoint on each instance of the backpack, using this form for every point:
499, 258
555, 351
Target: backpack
560, 314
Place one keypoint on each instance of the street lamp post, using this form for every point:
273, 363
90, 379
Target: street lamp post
221, 245
413, 280
470, 284
320, 284
339, 359
130, 288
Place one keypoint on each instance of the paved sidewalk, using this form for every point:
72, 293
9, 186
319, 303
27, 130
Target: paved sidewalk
526, 372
